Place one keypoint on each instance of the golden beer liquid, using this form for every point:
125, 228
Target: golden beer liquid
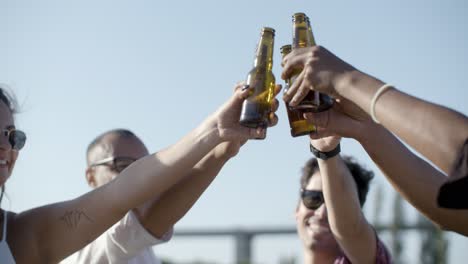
298, 124
258, 106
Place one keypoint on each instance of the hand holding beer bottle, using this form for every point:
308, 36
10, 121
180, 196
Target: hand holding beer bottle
257, 108
226, 119
299, 125
305, 99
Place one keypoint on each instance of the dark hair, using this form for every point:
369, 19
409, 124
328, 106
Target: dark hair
9, 100
361, 176
125, 133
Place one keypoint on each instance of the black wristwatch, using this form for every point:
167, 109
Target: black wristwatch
325, 155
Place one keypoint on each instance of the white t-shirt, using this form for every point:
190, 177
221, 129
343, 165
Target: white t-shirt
126, 242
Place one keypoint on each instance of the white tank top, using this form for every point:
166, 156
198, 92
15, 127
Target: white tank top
5, 253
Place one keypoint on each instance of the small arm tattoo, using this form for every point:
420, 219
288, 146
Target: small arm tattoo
73, 218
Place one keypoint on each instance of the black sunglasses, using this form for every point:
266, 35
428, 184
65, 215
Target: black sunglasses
117, 164
16, 138
312, 199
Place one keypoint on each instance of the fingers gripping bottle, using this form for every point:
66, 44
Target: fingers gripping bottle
298, 124
302, 38
258, 106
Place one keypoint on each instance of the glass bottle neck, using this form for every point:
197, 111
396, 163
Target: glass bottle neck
302, 34
264, 54
284, 53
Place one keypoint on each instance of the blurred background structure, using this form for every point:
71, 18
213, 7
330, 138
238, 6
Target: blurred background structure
432, 241
159, 68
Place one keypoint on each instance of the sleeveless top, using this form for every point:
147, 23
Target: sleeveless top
5, 253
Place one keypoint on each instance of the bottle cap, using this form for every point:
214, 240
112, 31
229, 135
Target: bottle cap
269, 30
299, 17
285, 49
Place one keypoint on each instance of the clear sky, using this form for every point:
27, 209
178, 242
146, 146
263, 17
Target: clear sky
160, 67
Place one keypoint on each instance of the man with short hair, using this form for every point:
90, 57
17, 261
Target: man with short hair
130, 240
329, 219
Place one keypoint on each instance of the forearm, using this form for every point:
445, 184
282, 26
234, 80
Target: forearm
153, 175
161, 213
413, 178
340, 196
436, 132
86, 217
78, 222
348, 224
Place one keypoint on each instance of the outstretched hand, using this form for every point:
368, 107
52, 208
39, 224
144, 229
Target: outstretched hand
228, 115
321, 71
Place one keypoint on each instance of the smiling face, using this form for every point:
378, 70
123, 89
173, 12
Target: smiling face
8, 156
312, 225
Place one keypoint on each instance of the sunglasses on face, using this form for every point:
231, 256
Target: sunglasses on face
312, 199
16, 138
117, 164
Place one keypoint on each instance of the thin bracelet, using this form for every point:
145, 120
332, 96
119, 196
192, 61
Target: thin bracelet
380, 91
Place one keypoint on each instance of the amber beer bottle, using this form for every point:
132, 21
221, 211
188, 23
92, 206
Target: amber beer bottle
303, 37
298, 124
258, 105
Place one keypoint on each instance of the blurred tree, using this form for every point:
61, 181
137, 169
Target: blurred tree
397, 221
287, 260
433, 243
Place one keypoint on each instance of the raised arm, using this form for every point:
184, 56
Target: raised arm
437, 132
349, 226
50, 233
415, 179
161, 213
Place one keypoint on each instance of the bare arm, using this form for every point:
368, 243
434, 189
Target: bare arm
412, 177
63, 228
347, 222
416, 180
437, 132
160, 214
60, 229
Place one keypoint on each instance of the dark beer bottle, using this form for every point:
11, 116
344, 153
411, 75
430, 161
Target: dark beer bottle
303, 37
257, 107
298, 124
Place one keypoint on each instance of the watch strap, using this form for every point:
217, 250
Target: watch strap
325, 155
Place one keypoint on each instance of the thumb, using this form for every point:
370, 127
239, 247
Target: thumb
240, 94
320, 119
320, 133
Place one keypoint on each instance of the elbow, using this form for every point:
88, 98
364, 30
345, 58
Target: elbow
158, 228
